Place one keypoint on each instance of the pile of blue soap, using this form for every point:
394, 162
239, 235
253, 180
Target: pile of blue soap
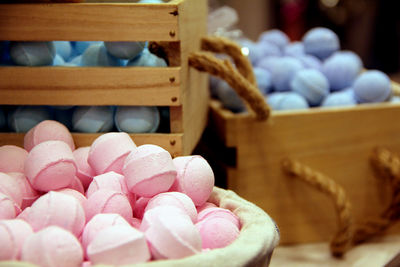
313, 72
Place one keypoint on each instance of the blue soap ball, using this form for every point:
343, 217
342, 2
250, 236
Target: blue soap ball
58, 61
97, 55
32, 53
76, 60
283, 72
252, 50
64, 49
137, 119
294, 49
311, 84
267, 50
80, 46
229, 98
264, 80
341, 69
268, 63
274, 36
344, 98
147, 59
125, 50
372, 86
92, 119
321, 42
310, 62
23, 118
286, 101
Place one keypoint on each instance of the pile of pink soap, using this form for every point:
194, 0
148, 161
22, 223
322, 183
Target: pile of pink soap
111, 203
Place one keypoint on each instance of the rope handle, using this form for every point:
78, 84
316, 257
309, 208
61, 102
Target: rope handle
241, 78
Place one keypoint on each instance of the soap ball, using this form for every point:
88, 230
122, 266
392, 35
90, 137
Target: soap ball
125, 50
97, 55
274, 36
342, 98
24, 118
147, 59
92, 119
12, 158
63, 49
268, 63
13, 234
321, 42
311, 84
80, 46
58, 60
137, 119
217, 232
267, 50
8, 208
283, 72
32, 53
229, 98
264, 79
85, 173
287, 101
372, 86
294, 49
341, 69
29, 195
251, 49
10, 187
310, 62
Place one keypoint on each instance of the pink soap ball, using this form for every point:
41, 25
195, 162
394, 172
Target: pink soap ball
109, 180
55, 208
86, 264
118, 245
195, 178
10, 187
107, 201
48, 130
170, 233
205, 206
53, 246
140, 206
217, 212
12, 235
108, 152
50, 165
29, 195
8, 208
217, 232
176, 199
149, 170
76, 184
135, 222
85, 173
76, 194
12, 158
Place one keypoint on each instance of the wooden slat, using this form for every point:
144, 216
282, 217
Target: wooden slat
89, 22
90, 86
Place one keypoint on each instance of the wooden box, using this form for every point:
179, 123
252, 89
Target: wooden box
336, 142
178, 24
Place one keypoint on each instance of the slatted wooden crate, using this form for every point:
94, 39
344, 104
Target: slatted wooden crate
178, 23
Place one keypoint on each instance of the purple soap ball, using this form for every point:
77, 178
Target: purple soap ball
341, 69
97, 55
92, 119
125, 50
32, 53
229, 98
263, 78
321, 42
286, 101
294, 49
372, 86
147, 59
283, 72
344, 98
310, 62
64, 49
274, 36
137, 119
311, 84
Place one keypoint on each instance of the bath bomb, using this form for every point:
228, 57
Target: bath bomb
149, 170
100, 222
75, 61
286, 101
311, 84
118, 245
23, 118
135, 222
63, 49
45, 131
107, 201
108, 152
76, 184
340, 99
10, 187
170, 233
60, 209
96, 55
29, 195
125, 50
195, 178
372, 86
283, 72
109, 180
52, 246
92, 119
267, 49
85, 173
274, 36
341, 69
80, 46
140, 207
32, 53
12, 158
217, 232
176, 199
321, 42
58, 60
147, 59
8, 208
251, 49
13, 234
294, 49
310, 62
264, 80
205, 206
218, 212
229, 98
137, 119
76, 194
50, 165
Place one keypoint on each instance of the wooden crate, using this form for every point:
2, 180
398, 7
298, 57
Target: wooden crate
336, 142
179, 23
